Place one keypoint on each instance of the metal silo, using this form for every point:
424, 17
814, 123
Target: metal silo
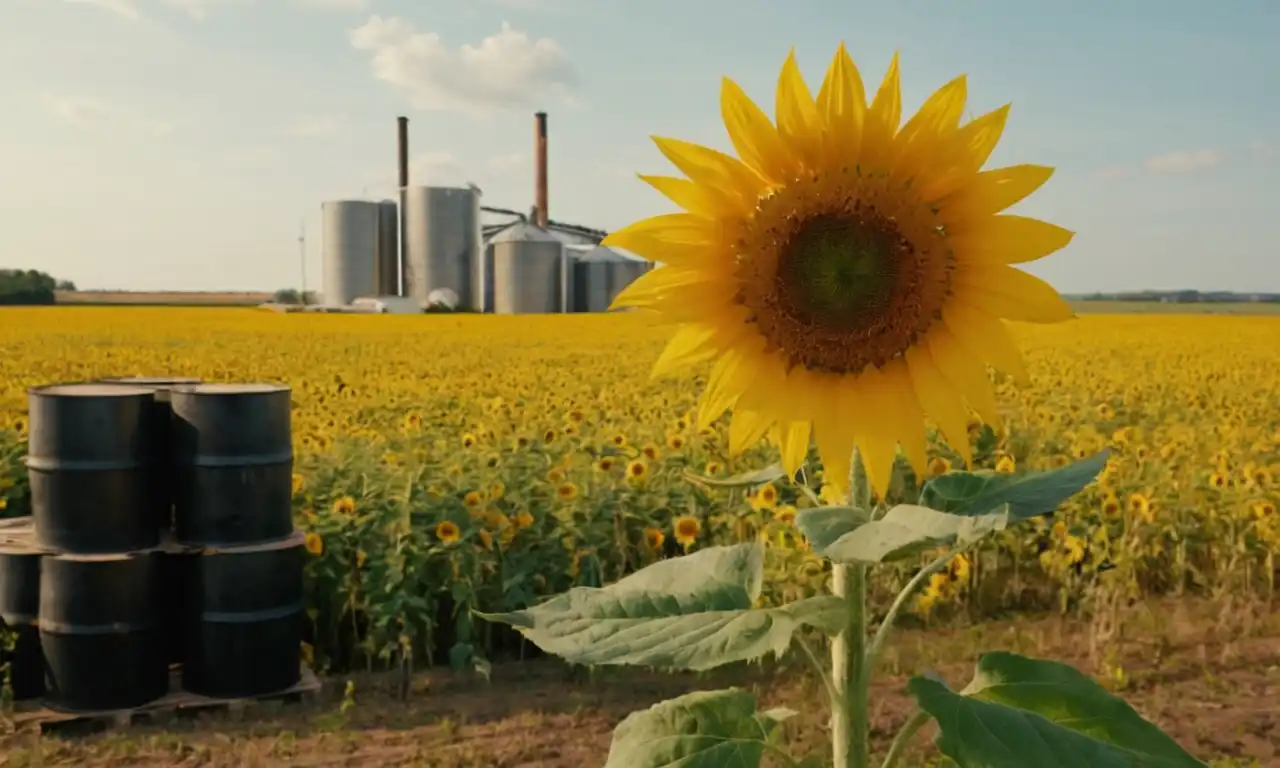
486, 278
529, 271
388, 248
442, 243
601, 274
351, 242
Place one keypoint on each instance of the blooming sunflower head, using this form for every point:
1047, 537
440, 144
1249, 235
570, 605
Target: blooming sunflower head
849, 274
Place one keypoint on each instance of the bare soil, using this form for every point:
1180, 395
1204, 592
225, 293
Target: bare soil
165, 298
1209, 675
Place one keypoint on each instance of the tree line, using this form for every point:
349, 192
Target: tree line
30, 286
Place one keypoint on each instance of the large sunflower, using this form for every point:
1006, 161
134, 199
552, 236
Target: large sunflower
848, 275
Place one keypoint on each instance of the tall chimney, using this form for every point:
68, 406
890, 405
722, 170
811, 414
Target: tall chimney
540, 166
402, 164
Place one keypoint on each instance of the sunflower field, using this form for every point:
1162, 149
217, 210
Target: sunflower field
447, 463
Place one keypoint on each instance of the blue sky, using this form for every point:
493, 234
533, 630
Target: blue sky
156, 144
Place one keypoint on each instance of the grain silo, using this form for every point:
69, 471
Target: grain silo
600, 275
359, 247
442, 242
388, 248
532, 272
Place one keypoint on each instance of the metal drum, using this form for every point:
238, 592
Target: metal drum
89, 462
19, 607
100, 631
162, 438
244, 632
234, 449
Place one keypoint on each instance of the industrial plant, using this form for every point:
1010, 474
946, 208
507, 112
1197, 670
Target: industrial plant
440, 248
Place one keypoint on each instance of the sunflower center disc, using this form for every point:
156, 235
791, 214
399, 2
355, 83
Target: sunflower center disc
835, 272
843, 271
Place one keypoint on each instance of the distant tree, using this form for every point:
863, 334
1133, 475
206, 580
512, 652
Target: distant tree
287, 296
18, 286
65, 285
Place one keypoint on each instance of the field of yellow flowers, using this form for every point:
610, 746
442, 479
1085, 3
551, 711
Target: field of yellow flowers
454, 462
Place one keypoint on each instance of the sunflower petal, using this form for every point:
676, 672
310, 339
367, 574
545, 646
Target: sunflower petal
754, 137
696, 198
971, 146
747, 429
799, 123
842, 105
1010, 293
1006, 239
878, 423
656, 283
713, 168
910, 430
965, 372
925, 134
834, 430
694, 343
679, 239
792, 438
730, 377
990, 192
883, 117
939, 400
987, 337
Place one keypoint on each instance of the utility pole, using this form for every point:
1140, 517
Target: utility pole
302, 259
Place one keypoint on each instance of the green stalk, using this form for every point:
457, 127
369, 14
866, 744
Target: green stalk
849, 674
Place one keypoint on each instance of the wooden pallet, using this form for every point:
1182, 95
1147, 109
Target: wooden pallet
177, 703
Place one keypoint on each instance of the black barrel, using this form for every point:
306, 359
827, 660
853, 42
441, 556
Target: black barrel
234, 450
100, 631
244, 634
162, 438
90, 455
19, 608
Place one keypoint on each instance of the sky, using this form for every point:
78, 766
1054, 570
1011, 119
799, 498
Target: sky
183, 144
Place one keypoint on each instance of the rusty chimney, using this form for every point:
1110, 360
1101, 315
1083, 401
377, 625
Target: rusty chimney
540, 166
402, 166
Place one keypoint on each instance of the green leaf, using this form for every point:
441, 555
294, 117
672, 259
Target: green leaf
1019, 712
693, 612
1027, 493
823, 526
704, 729
747, 479
904, 530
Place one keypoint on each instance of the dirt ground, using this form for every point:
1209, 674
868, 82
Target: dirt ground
1209, 675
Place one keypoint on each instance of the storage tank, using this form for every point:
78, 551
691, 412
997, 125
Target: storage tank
359, 249
532, 273
601, 274
388, 248
486, 277
442, 243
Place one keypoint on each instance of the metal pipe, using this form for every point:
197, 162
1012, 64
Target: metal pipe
402, 162
540, 166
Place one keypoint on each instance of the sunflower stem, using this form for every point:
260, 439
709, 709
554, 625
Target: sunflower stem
849, 673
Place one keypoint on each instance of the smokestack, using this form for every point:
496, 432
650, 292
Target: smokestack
402, 163
540, 166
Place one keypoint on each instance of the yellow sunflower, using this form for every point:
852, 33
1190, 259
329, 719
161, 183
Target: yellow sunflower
849, 275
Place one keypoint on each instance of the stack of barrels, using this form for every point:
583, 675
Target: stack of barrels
162, 534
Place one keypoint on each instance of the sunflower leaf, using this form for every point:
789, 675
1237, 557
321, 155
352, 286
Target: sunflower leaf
693, 612
823, 526
744, 480
703, 729
1027, 493
1019, 711
904, 530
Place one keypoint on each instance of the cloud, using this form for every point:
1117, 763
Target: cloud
435, 168
88, 112
504, 70
1185, 162
315, 126
507, 162
335, 5
124, 8
1264, 150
